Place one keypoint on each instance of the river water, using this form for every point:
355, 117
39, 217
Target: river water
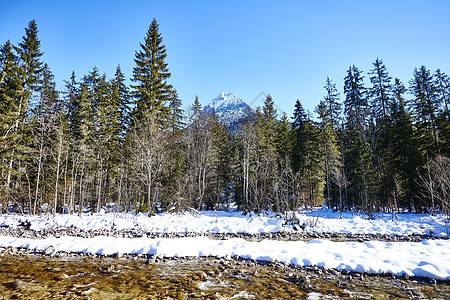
24, 275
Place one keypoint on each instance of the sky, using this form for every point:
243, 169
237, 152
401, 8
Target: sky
250, 48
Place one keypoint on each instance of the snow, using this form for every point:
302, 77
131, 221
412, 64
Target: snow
428, 258
228, 108
224, 100
323, 220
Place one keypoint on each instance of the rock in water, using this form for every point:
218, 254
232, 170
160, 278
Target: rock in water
49, 250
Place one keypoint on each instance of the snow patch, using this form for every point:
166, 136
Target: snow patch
427, 258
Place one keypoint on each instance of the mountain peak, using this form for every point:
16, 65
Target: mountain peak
225, 99
229, 109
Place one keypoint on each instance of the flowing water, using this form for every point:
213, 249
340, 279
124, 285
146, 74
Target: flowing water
31, 276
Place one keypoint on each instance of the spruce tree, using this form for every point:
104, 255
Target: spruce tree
11, 88
268, 124
405, 149
176, 113
442, 84
299, 132
121, 100
43, 124
283, 137
151, 90
329, 116
379, 135
425, 105
196, 108
72, 96
358, 166
28, 75
380, 92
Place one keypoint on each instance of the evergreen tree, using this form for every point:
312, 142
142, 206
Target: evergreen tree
176, 152
11, 89
267, 125
283, 137
358, 167
299, 124
330, 116
196, 108
28, 75
328, 111
442, 84
121, 98
151, 91
379, 93
72, 95
30, 54
176, 113
333, 107
150, 118
425, 106
405, 155
379, 135
355, 102
43, 126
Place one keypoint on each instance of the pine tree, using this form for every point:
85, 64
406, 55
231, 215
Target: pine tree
299, 125
359, 169
328, 111
150, 118
11, 88
313, 170
28, 74
442, 84
355, 102
220, 187
425, 105
176, 113
379, 93
268, 118
72, 95
30, 54
379, 135
87, 106
330, 115
283, 135
121, 98
176, 153
405, 156
306, 156
43, 126
196, 108
333, 107
151, 91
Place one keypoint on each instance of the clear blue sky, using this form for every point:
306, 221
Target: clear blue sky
285, 48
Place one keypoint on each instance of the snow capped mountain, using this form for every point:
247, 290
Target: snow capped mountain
229, 109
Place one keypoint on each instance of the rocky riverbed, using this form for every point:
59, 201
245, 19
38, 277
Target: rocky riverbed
31, 274
28, 274
25, 232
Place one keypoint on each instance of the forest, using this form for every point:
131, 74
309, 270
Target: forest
384, 147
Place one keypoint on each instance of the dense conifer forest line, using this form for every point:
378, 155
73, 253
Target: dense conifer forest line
102, 141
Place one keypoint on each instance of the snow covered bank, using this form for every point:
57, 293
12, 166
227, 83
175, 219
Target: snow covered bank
429, 258
323, 220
